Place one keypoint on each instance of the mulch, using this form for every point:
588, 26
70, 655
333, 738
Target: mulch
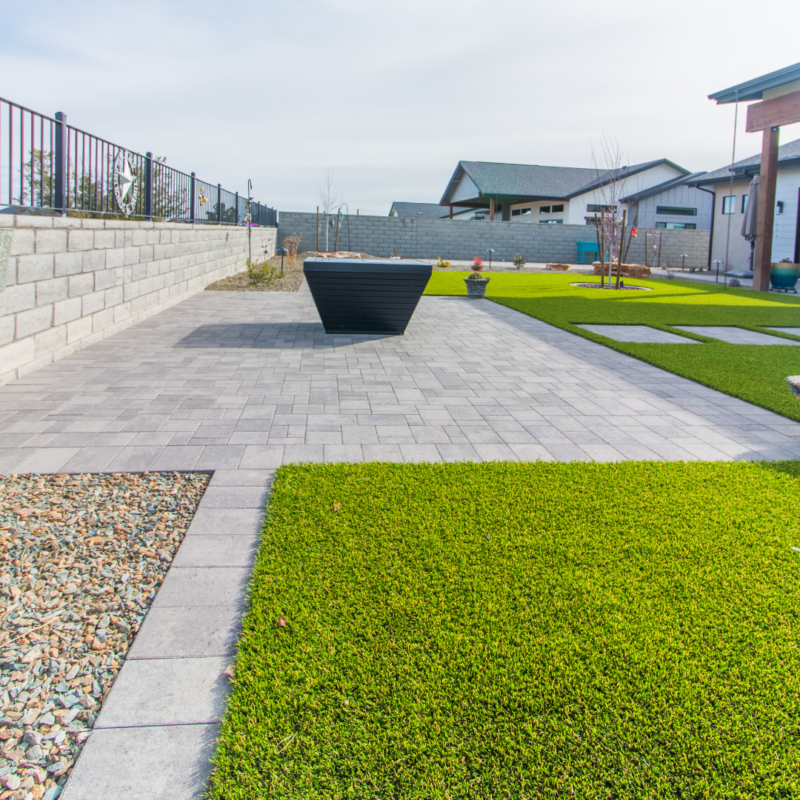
81, 560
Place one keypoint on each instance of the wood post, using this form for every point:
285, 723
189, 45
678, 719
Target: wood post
645, 250
491, 209
451, 211
318, 229
765, 213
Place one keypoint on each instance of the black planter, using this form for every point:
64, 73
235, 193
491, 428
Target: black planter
355, 295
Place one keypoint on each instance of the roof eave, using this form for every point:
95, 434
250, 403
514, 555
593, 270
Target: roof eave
754, 89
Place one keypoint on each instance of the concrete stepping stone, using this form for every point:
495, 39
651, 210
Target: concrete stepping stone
790, 331
640, 334
734, 335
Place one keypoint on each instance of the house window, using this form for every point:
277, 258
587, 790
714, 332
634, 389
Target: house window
558, 209
744, 202
544, 209
551, 221
729, 204
676, 211
520, 212
677, 226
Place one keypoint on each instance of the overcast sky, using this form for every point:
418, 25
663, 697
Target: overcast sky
391, 95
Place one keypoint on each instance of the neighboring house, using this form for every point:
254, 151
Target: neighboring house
427, 211
674, 205
571, 195
730, 201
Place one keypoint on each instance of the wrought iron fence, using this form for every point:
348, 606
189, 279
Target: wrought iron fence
47, 164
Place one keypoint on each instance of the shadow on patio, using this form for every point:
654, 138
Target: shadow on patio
270, 336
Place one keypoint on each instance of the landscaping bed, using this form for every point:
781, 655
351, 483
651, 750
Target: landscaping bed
755, 373
520, 630
81, 559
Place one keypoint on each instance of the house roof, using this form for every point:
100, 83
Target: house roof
788, 156
754, 89
536, 182
424, 210
661, 187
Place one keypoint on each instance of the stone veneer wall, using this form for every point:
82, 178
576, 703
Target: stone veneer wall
462, 240
71, 282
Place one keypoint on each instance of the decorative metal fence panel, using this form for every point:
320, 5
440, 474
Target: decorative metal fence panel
47, 164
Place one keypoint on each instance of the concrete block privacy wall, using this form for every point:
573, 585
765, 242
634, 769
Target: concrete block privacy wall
70, 282
462, 240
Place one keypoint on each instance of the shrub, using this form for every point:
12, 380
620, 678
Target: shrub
519, 260
442, 263
261, 274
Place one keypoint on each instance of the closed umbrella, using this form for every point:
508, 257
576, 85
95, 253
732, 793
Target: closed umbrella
749, 221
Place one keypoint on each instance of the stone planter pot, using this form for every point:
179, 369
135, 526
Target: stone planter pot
5, 249
476, 287
783, 276
368, 296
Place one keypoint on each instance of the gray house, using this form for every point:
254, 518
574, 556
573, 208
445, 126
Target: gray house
673, 205
426, 211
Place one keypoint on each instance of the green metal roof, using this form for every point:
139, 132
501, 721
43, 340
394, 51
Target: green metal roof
754, 89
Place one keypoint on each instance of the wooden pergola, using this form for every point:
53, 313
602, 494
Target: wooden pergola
779, 93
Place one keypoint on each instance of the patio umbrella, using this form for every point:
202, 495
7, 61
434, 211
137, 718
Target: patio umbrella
749, 221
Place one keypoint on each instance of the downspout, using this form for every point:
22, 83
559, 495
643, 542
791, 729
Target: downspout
711, 232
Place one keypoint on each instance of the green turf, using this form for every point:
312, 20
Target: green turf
754, 373
513, 630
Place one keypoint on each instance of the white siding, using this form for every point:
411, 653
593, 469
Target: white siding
466, 190
785, 237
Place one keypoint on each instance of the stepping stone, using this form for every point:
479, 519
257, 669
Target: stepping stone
734, 335
641, 334
790, 331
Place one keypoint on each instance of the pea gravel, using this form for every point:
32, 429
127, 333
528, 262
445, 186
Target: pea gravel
81, 560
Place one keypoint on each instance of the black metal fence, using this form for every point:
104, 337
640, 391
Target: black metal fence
47, 164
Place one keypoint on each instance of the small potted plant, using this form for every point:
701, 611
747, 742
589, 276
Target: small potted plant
476, 281
783, 276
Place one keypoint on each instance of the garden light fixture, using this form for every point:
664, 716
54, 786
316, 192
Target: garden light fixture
282, 252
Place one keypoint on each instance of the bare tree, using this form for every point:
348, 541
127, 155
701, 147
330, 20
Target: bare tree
611, 171
329, 201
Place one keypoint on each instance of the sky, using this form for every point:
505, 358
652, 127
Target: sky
389, 96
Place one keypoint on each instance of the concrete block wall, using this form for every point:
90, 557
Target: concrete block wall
460, 240
71, 282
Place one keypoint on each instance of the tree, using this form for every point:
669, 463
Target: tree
329, 201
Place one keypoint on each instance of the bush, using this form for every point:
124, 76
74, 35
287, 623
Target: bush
261, 274
519, 260
442, 263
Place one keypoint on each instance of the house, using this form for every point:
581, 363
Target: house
427, 211
730, 202
576, 195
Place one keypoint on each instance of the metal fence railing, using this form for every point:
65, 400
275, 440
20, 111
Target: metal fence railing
47, 164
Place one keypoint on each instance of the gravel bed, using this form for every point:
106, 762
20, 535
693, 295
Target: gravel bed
81, 559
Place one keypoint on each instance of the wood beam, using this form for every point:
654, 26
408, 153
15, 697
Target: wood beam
780, 111
765, 213
491, 209
451, 211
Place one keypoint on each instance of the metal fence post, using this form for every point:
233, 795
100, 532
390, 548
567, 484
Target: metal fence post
148, 185
191, 192
219, 203
236, 215
60, 165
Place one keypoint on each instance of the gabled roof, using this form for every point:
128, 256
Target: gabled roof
788, 157
754, 89
661, 187
536, 182
423, 210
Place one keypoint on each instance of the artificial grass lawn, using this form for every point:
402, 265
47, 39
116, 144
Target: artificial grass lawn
513, 630
756, 373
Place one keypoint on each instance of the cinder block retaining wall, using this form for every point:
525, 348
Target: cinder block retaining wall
456, 239
71, 282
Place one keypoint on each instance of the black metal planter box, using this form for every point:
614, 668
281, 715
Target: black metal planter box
355, 295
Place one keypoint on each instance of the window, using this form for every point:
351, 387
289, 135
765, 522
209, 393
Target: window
676, 211
518, 212
729, 205
744, 202
544, 209
677, 226
597, 209
558, 209
551, 221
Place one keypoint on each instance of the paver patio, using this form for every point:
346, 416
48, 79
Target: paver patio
241, 383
